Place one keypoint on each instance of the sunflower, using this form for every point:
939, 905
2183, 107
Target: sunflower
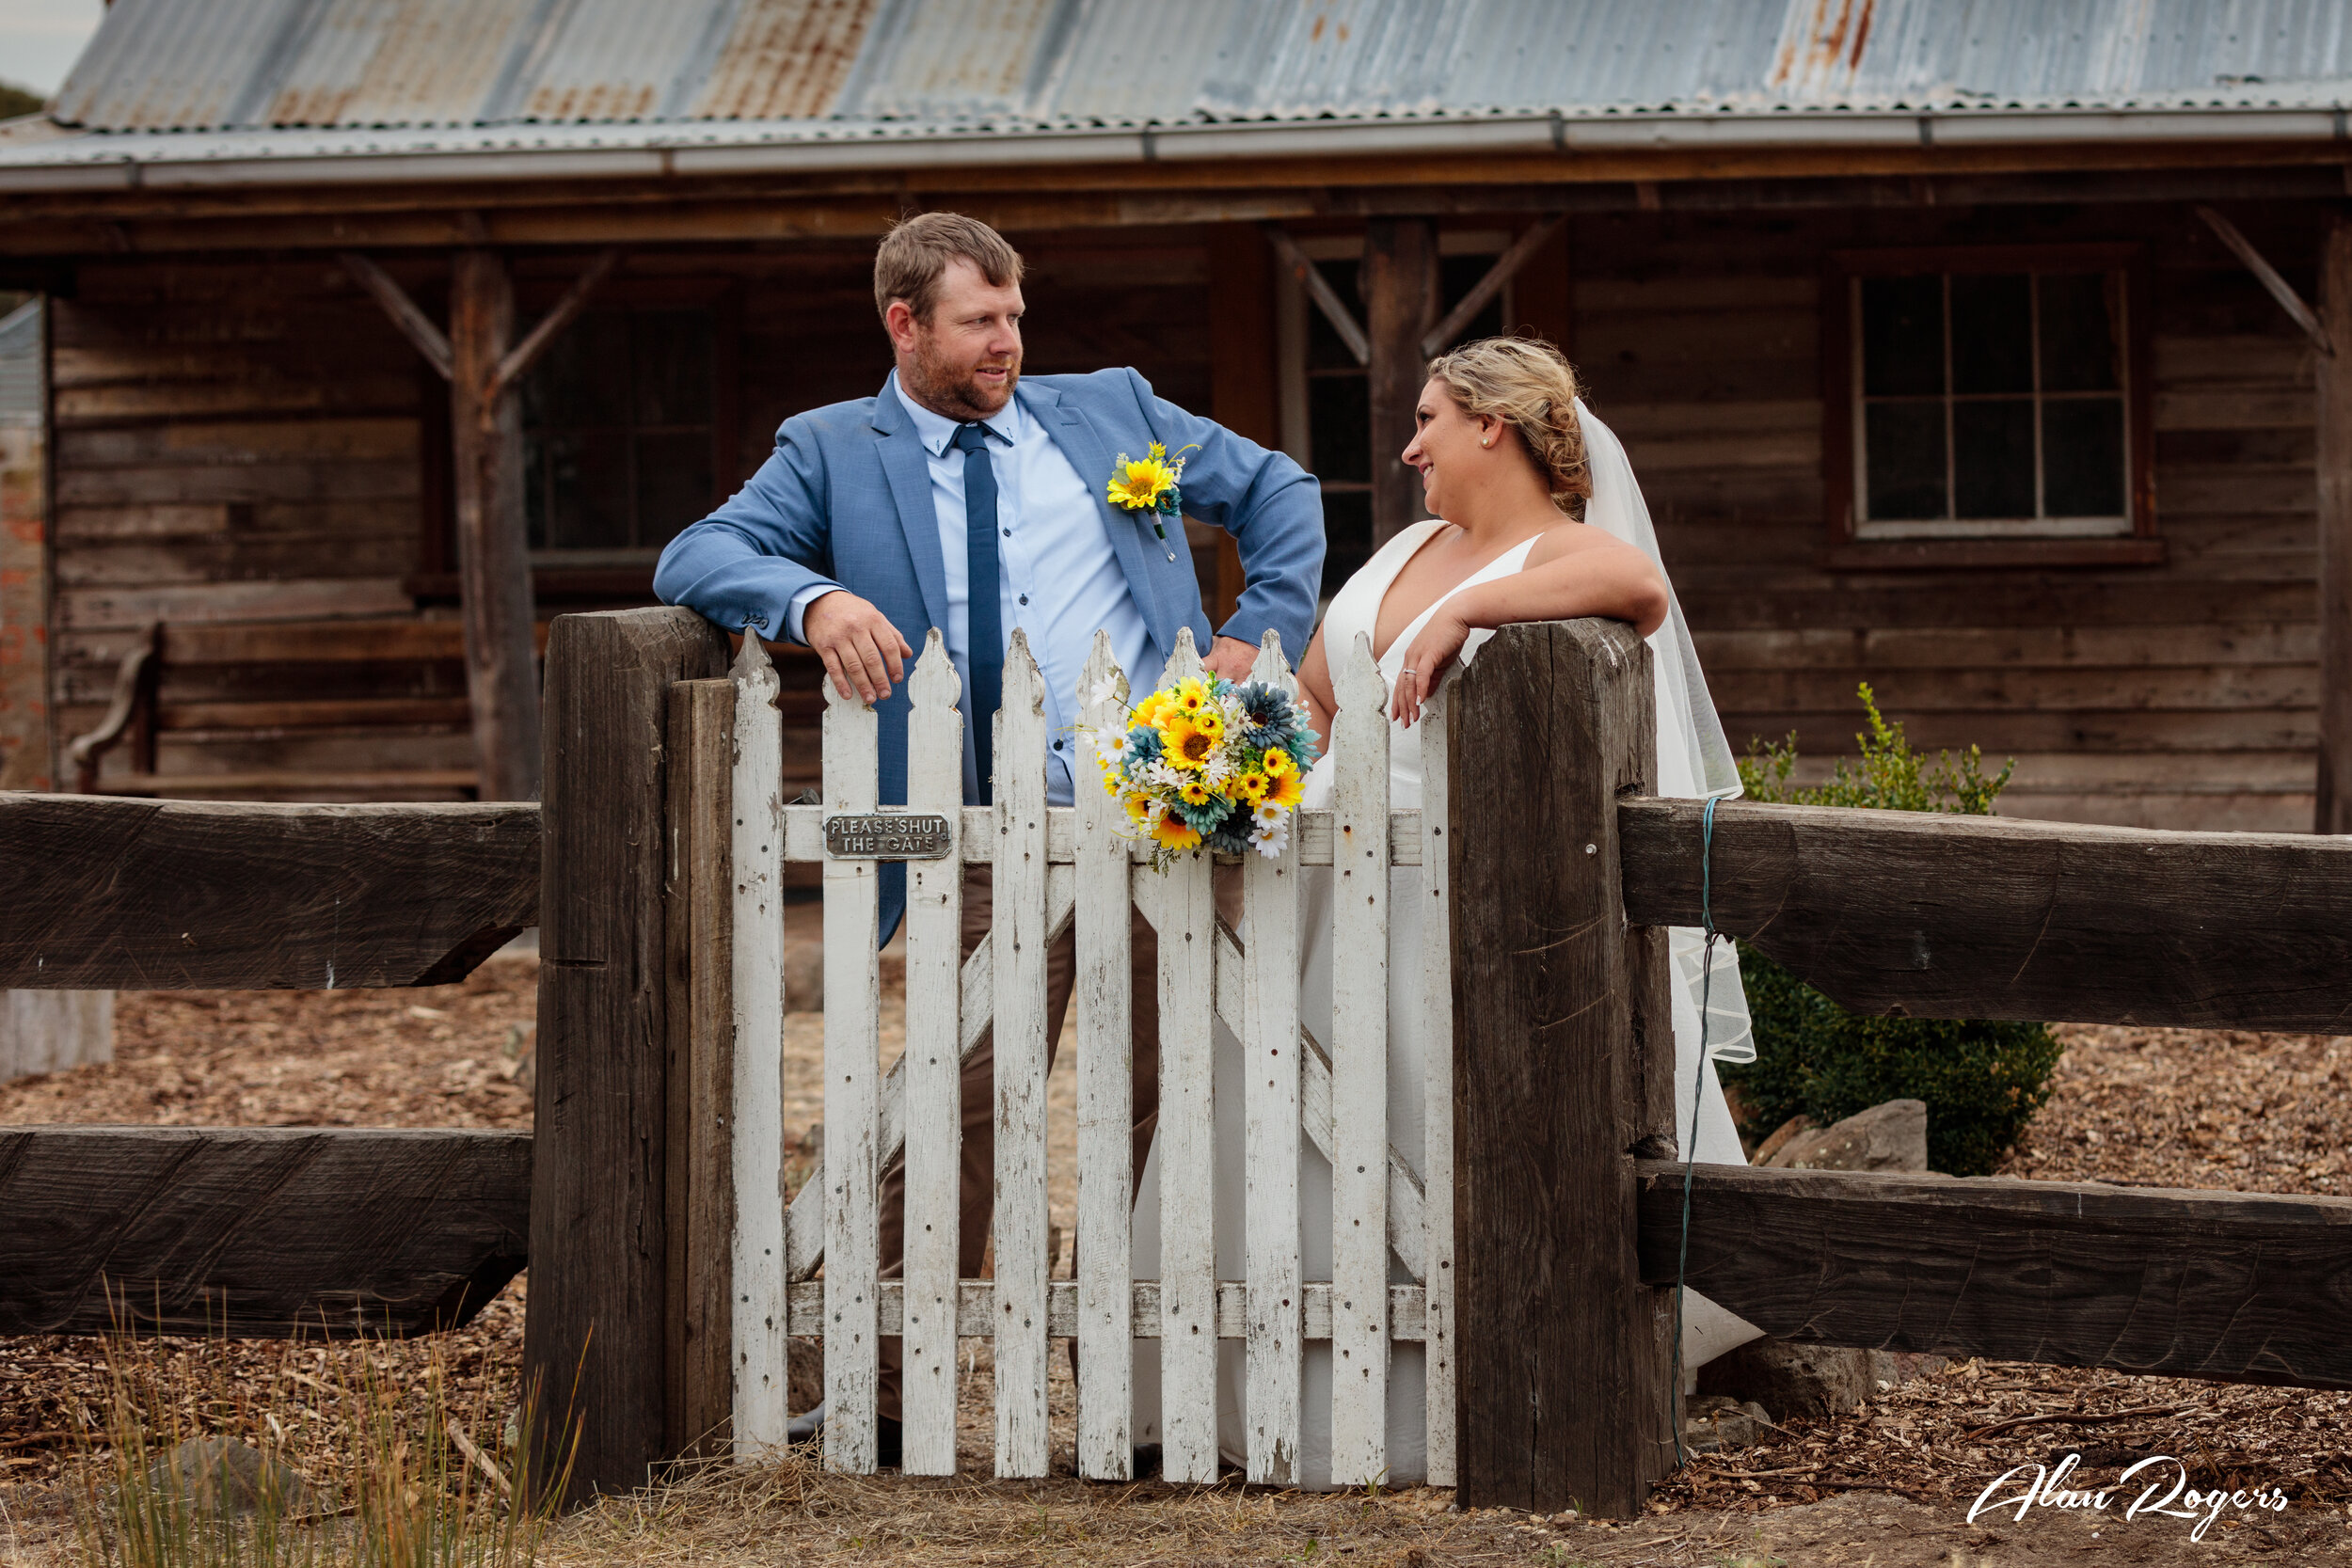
1288, 790
1148, 710
1140, 486
1210, 722
1173, 832
1139, 807
1252, 786
1192, 696
1183, 743
1277, 763
1194, 792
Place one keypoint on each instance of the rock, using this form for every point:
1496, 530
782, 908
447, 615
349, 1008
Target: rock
1893, 1136
1779, 1137
1795, 1380
1892, 1368
1712, 1423
220, 1475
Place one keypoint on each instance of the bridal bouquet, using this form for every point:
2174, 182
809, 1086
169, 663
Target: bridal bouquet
1203, 760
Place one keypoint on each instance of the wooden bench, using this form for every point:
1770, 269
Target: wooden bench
266, 690
387, 687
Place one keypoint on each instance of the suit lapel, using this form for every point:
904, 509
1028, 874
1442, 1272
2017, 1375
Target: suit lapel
1091, 456
908, 467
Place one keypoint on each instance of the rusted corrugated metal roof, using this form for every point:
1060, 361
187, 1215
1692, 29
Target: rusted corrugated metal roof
233, 91
198, 65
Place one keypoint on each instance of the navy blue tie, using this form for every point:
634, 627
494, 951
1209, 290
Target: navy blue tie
986, 624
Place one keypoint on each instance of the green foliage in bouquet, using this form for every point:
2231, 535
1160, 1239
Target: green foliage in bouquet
1983, 1081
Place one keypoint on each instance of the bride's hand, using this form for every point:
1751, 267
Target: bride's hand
1426, 663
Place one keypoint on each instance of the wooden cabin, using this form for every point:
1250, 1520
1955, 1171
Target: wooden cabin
1984, 363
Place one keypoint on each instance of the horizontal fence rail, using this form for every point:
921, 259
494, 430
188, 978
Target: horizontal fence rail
805, 834
256, 1231
1934, 915
2240, 1287
111, 893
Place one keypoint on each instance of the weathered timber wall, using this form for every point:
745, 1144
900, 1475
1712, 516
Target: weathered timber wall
239, 442
249, 444
2180, 695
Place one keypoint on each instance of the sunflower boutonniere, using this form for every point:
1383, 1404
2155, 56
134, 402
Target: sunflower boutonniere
1150, 485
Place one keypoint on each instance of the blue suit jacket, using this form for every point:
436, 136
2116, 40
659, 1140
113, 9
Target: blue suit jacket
845, 499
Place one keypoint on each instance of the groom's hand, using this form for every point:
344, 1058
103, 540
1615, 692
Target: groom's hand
1229, 657
862, 650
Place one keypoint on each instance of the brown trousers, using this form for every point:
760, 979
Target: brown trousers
977, 1184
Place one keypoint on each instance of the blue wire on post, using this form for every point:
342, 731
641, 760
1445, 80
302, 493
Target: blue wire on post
1699, 1094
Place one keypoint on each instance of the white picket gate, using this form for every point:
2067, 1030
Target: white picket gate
1053, 866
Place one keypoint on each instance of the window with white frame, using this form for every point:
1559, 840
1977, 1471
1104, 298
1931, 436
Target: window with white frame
1992, 398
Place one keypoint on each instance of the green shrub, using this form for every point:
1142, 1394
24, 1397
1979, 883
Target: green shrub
1983, 1081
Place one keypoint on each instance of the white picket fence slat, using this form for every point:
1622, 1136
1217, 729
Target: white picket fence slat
1360, 1068
1187, 1131
1272, 1373
755, 1154
1436, 1162
1104, 1001
853, 1079
1023, 1441
1054, 866
932, 1071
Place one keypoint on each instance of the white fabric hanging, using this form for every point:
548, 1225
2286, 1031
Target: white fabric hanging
1695, 762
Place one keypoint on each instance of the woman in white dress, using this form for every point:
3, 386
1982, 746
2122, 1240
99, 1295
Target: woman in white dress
1505, 448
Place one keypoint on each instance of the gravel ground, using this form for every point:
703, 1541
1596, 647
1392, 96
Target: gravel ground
1885, 1485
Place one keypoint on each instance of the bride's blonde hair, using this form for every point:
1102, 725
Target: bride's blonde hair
1531, 387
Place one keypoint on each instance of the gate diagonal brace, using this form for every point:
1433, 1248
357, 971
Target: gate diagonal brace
806, 1234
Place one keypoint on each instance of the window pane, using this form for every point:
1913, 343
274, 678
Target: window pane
1456, 276
2082, 457
1324, 351
1992, 334
583, 378
1992, 459
2080, 333
670, 354
1347, 532
672, 484
588, 492
1339, 427
1902, 338
1904, 456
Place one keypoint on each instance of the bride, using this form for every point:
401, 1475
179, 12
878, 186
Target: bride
1505, 450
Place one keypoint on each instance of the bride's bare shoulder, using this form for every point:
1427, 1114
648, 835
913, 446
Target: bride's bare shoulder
1566, 539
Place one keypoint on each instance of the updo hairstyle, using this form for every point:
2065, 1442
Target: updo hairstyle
1531, 387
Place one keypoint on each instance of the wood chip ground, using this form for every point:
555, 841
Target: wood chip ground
1885, 1485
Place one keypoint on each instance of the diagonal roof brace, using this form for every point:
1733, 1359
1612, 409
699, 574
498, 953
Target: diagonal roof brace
2280, 288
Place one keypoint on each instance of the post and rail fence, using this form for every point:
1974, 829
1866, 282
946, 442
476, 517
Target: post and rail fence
1539, 1225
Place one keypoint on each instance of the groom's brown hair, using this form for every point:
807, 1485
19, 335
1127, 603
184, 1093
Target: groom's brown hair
915, 253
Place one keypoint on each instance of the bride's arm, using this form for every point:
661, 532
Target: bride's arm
1572, 572
1314, 684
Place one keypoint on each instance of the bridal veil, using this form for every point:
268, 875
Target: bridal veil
1695, 762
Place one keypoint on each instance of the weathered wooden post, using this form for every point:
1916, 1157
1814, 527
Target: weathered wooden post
596, 1341
2333, 373
699, 935
1563, 1074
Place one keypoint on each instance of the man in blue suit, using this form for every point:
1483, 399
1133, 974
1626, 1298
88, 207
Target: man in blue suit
872, 520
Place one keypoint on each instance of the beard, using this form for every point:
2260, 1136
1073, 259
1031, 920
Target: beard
954, 390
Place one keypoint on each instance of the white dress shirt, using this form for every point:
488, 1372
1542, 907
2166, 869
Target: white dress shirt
1058, 576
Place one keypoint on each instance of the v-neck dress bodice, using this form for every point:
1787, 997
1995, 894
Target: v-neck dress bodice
1356, 611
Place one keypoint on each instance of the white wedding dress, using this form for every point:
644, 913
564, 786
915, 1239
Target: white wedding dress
1707, 1329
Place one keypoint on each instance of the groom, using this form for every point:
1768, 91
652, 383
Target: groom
873, 520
